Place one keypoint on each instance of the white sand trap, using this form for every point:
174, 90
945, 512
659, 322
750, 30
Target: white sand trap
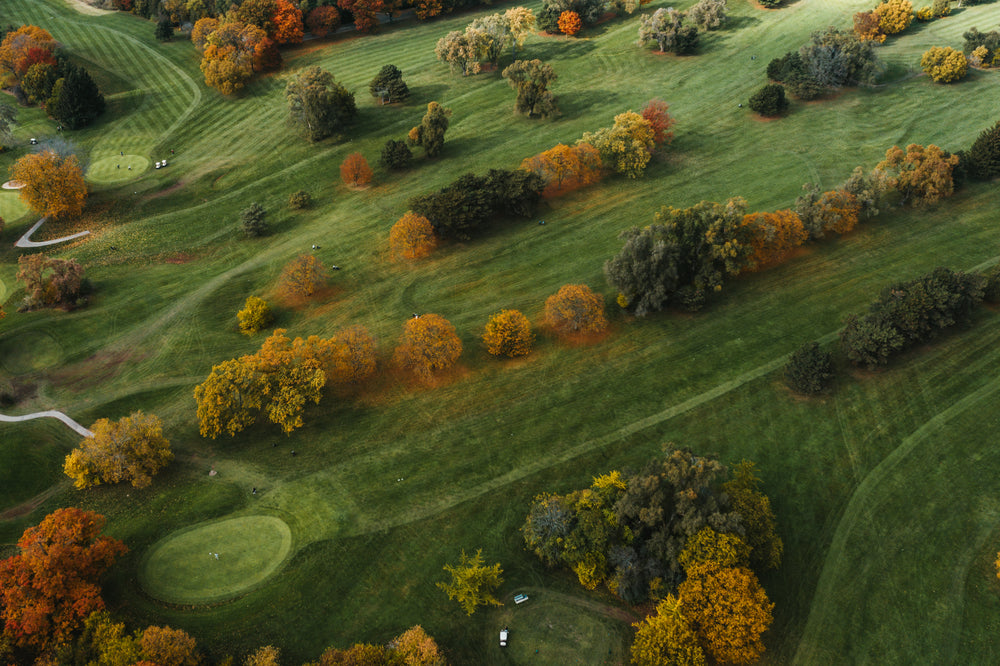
13, 185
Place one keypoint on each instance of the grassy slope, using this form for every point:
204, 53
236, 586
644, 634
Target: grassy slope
373, 547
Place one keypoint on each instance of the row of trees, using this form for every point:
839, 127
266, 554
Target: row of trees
982, 48
485, 40
39, 73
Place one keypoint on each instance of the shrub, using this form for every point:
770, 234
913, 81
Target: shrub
944, 64
940, 8
396, 155
255, 315
354, 170
575, 309
429, 344
252, 220
569, 23
51, 282
809, 370
894, 16
300, 200
991, 289
708, 14
769, 100
508, 333
412, 237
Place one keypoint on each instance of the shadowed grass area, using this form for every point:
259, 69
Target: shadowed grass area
883, 489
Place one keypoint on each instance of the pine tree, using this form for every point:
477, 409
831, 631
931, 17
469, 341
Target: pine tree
984, 155
79, 100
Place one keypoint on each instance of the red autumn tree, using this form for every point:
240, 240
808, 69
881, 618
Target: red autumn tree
660, 121
575, 309
508, 333
564, 168
53, 184
355, 171
16, 45
50, 587
303, 276
412, 237
364, 12
774, 236
323, 20
429, 344
570, 23
287, 23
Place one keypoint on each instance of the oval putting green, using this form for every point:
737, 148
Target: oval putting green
216, 561
111, 170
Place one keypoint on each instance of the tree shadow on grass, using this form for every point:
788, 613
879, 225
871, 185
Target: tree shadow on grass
420, 96
552, 47
573, 104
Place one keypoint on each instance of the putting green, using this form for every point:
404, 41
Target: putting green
216, 561
115, 169
11, 206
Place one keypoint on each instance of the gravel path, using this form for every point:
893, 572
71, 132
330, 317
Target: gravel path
83, 432
25, 240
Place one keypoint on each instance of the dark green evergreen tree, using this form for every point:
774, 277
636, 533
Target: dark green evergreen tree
984, 155
78, 101
164, 28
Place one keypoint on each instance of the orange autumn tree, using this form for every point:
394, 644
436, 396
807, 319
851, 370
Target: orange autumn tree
132, 449
575, 309
564, 168
412, 237
50, 587
53, 184
508, 333
287, 20
868, 27
351, 356
18, 44
429, 344
655, 112
773, 236
921, 175
169, 647
323, 20
303, 276
838, 211
417, 648
728, 610
569, 23
355, 171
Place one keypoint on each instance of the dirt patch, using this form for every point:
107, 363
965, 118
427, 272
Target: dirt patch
179, 258
25, 508
94, 371
168, 190
15, 391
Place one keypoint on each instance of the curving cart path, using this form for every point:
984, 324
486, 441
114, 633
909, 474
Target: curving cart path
84, 432
25, 240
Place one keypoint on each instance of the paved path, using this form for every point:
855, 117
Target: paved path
25, 240
83, 432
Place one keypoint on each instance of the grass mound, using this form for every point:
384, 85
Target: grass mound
11, 206
216, 561
115, 169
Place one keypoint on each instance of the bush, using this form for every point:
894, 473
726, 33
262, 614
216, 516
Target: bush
569, 23
809, 370
575, 309
894, 16
991, 289
944, 64
255, 315
300, 200
769, 100
252, 220
396, 155
508, 333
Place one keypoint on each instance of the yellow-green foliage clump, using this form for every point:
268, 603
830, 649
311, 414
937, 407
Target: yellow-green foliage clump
508, 333
944, 64
255, 315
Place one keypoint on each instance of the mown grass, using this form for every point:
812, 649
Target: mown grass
473, 452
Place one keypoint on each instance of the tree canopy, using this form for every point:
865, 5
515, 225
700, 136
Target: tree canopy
318, 104
131, 449
53, 184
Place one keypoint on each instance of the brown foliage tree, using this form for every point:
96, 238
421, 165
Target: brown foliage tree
303, 276
575, 309
350, 357
132, 449
354, 170
364, 12
53, 185
508, 333
51, 586
569, 23
16, 45
868, 27
564, 168
417, 648
323, 20
838, 211
728, 610
921, 175
412, 237
230, 53
429, 344
655, 112
164, 646
49, 281
774, 236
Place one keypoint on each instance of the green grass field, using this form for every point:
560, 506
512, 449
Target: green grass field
886, 490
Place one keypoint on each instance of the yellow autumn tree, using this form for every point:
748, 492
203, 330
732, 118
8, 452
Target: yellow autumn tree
666, 638
429, 344
132, 449
169, 647
303, 276
921, 175
267, 655
707, 545
575, 309
508, 333
837, 211
894, 16
276, 382
773, 236
255, 315
473, 582
412, 237
627, 146
351, 357
728, 610
944, 64
417, 648
53, 184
